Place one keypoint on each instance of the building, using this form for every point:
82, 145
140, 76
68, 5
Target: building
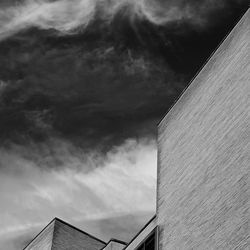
61, 235
203, 184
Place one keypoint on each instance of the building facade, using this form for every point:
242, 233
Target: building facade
203, 184
204, 154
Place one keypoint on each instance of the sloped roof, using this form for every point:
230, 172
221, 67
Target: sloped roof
59, 234
115, 244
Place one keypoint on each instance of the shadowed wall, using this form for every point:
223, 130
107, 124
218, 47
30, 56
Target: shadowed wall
66, 237
59, 235
43, 241
114, 245
204, 154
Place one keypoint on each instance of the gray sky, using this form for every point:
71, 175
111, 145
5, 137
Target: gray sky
83, 85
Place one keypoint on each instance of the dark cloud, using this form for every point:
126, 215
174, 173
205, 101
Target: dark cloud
113, 81
83, 84
95, 91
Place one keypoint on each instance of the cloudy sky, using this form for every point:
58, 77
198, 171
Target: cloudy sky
83, 84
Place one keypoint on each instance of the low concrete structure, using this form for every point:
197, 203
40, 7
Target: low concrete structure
203, 187
59, 235
115, 244
146, 231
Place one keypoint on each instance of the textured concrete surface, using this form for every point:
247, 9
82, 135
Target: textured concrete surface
43, 241
59, 235
114, 245
142, 235
66, 237
204, 155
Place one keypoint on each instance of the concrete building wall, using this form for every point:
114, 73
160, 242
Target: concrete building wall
114, 245
59, 235
143, 234
43, 241
204, 155
67, 237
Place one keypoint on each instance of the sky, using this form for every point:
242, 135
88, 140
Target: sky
83, 85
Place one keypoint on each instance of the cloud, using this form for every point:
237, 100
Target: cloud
67, 16
65, 92
61, 15
82, 88
60, 86
84, 190
17, 240
122, 227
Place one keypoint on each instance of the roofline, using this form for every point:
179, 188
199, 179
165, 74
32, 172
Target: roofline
115, 240
39, 233
118, 241
140, 231
79, 230
200, 69
69, 225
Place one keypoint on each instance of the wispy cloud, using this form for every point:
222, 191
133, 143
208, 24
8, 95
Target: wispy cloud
70, 104
61, 15
67, 16
124, 183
